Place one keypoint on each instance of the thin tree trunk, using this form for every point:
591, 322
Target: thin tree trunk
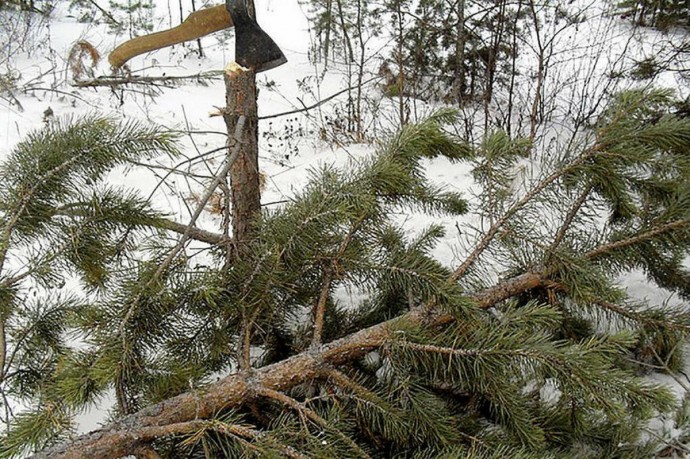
327, 40
401, 66
350, 59
459, 85
198, 40
360, 70
534, 114
513, 72
245, 182
492, 61
240, 94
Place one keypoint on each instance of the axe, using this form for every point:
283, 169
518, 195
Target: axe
253, 47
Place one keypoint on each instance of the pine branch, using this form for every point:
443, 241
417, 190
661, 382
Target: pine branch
630, 241
320, 310
165, 264
193, 232
26, 198
490, 234
312, 416
116, 440
569, 218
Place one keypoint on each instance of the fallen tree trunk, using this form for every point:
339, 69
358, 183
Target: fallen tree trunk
121, 438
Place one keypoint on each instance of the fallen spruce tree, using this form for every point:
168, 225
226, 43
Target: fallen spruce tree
546, 360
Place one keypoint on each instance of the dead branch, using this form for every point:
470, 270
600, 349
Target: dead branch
113, 81
317, 104
195, 233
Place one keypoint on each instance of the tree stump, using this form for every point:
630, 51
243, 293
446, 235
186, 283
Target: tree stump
240, 96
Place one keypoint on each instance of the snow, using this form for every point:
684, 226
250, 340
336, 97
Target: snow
286, 156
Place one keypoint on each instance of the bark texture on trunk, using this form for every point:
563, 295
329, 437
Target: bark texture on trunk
245, 182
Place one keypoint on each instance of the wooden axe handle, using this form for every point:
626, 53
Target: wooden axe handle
197, 24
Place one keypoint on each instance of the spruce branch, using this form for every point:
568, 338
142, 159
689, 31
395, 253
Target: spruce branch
418, 416
665, 229
172, 254
569, 218
115, 440
641, 317
320, 307
197, 428
312, 416
491, 233
279, 250
328, 276
236, 389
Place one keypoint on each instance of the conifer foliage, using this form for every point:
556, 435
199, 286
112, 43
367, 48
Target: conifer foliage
429, 361
663, 14
60, 217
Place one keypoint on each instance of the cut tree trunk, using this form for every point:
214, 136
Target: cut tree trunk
245, 183
125, 435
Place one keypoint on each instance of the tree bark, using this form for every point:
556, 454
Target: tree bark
240, 96
245, 182
459, 84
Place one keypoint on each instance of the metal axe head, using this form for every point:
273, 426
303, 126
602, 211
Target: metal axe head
253, 47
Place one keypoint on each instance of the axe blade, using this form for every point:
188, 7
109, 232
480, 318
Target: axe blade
253, 47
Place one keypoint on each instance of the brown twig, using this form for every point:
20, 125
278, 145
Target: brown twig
317, 104
145, 80
495, 227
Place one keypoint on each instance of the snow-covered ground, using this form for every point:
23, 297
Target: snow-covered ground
292, 144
